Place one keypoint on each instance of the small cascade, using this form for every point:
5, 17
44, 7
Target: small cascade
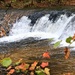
44, 27
20, 27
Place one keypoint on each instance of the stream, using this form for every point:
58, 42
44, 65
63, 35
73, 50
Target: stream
29, 39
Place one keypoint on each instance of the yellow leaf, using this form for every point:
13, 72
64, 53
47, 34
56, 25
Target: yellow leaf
47, 71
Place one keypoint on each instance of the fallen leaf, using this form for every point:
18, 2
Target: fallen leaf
46, 70
44, 64
57, 44
46, 55
68, 40
21, 67
11, 72
9, 67
38, 67
6, 62
67, 53
73, 38
18, 62
35, 63
32, 67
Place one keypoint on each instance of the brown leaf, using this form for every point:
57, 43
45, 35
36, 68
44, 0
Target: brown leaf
67, 53
73, 38
11, 72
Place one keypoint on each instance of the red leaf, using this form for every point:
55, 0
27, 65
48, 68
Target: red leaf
44, 64
22, 67
46, 55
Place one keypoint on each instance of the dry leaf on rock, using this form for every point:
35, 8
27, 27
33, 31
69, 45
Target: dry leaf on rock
46, 55
47, 71
67, 52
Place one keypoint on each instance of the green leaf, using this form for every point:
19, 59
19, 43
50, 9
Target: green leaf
39, 72
6, 62
57, 44
68, 40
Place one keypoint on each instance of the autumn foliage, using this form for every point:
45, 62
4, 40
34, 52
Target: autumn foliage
67, 52
46, 55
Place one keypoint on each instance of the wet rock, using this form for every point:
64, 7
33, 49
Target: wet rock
36, 15
9, 17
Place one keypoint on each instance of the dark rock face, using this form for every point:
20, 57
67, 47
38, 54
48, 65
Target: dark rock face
35, 16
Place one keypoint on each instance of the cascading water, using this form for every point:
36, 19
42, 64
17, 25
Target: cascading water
44, 28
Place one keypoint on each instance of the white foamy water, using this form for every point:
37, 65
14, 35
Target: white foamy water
43, 29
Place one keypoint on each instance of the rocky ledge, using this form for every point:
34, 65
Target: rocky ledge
8, 17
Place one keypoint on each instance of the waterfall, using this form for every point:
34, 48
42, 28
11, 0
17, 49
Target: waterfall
44, 28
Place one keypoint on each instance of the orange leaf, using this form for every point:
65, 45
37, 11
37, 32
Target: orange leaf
46, 55
44, 64
67, 53
22, 67
73, 38
31, 68
33, 65
11, 71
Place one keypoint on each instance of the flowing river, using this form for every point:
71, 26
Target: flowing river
28, 39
